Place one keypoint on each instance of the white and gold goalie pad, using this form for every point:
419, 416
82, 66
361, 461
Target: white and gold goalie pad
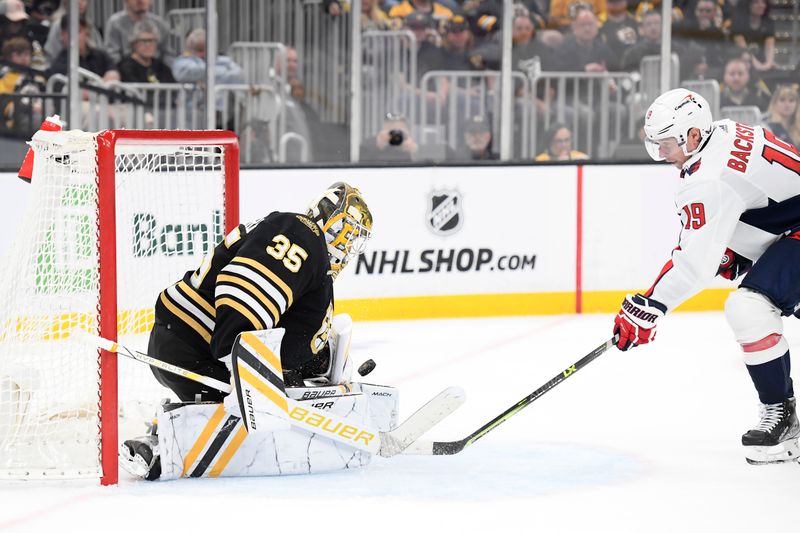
264, 428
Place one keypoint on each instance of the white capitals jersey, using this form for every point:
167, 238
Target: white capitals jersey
741, 191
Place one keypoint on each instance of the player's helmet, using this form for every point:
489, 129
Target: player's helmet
672, 115
344, 218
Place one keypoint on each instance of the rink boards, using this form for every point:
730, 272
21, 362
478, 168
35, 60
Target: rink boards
483, 241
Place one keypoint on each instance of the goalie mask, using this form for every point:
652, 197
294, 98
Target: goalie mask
346, 222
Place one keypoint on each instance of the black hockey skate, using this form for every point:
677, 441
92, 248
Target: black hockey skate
775, 438
140, 457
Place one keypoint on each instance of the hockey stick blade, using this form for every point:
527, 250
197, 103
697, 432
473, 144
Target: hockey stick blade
454, 447
426, 417
115, 347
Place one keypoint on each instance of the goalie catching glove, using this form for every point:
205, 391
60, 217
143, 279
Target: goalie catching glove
636, 321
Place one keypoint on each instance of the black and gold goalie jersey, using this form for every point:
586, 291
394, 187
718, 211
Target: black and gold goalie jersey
271, 273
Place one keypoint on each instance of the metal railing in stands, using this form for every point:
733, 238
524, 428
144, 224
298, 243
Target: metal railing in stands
105, 105
181, 23
447, 99
746, 114
650, 72
388, 73
708, 89
594, 105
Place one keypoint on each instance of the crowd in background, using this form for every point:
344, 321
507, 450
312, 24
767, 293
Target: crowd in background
731, 41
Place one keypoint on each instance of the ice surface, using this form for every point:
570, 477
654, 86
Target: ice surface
643, 441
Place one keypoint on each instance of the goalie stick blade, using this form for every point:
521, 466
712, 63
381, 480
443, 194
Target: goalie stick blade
416, 425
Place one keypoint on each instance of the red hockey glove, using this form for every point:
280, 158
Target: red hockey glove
733, 265
636, 322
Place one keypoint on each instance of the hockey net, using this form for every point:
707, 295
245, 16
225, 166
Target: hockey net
113, 218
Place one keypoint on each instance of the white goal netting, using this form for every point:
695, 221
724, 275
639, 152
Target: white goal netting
169, 212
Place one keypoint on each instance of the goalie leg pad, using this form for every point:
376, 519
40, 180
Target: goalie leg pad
757, 325
202, 440
259, 393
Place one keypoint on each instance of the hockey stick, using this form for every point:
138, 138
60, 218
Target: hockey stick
391, 442
453, 447
111, 346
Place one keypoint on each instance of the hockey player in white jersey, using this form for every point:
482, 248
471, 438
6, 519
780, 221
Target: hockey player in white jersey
739, 206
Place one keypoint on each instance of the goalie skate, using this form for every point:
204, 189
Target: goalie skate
775, 438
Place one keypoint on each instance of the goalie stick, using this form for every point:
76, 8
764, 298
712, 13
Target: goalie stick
454, 447
391, 442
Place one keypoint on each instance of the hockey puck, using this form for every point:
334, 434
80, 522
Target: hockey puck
366, 367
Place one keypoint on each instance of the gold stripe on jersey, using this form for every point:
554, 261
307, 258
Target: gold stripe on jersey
251, 341
264, 387
242, 310
229, 452
255, 291
265, 285
177, 297
191, 322
225, 290
194, 295
202, 440
268, 273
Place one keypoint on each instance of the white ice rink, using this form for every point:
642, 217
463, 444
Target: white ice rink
643, 441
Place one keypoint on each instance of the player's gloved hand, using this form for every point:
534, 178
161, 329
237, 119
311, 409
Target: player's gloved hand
636, 321
733, 265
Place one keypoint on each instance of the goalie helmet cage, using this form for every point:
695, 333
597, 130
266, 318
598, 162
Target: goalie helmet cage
113, 218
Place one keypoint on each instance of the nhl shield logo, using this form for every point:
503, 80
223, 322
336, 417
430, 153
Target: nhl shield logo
444, 214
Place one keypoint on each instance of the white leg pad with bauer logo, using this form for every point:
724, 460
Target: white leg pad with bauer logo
203, 440
308, 429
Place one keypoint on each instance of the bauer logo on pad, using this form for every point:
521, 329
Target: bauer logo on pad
444, 216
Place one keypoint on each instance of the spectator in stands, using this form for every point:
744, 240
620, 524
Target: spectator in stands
484, 25
40, 13
373, 17
702, 33
783, 114
303, 119
584, 50
433, 9
559, 145
54, 44
393, 143
191, 66
564, 12
457, 44
754, 30
619, 31
737, 88
120, 25
430, 55
640, 7
20, 114
526, 44
90, 58
477, 141
692, 63
14, 23
143, 64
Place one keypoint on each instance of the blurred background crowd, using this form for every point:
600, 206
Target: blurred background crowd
424, 83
